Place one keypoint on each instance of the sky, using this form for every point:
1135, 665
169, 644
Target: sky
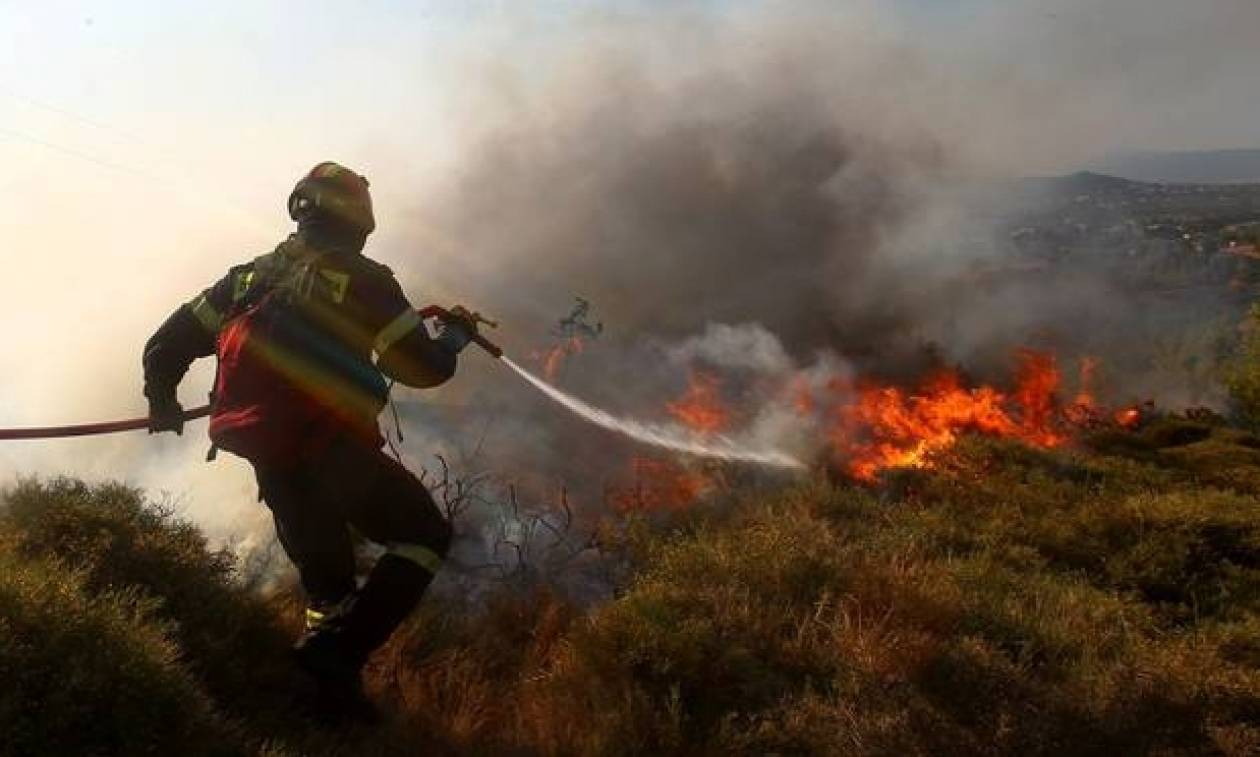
147, 146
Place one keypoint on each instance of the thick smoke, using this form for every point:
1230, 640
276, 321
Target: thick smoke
810, 171
781, 191
734, 191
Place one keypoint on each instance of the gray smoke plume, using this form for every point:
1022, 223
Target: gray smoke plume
783, 188
809, 170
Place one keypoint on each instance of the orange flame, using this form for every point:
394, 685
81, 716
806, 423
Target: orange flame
1085, 388
886, 427
1083, 411
1128, 418
558, 353
870, 427
659, 485
700, 408
802, 397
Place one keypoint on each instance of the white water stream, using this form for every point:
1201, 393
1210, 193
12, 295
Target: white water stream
661, 435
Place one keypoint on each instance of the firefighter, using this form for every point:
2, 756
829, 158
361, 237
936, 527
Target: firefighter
298, 393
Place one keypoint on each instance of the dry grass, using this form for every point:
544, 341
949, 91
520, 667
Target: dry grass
1009, 602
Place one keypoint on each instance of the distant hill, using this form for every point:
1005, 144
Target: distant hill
1081, 182
1102, 200
1189, 167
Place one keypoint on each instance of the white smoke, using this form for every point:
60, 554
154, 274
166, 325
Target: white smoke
748, 347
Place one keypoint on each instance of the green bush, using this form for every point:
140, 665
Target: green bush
214, 646
121, 542
91, 673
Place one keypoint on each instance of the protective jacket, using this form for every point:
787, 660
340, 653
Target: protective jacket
345, 309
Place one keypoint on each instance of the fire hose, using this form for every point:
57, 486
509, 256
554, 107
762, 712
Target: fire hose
657, 435
134, 424
90, 429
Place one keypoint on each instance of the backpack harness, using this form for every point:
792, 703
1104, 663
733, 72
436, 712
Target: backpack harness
286, 388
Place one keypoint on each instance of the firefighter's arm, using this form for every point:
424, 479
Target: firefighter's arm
410, 356
187, 334
405, 351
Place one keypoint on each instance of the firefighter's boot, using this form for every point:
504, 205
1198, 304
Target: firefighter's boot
392, 591
336, 648
339, 697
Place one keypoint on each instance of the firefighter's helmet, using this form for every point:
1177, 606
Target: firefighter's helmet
335, 193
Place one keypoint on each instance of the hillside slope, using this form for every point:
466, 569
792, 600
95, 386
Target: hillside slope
1010, 601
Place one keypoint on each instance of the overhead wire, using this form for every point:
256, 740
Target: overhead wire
81, 155
183, 186
72, 115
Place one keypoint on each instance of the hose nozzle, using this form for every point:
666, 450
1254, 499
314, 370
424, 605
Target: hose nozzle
459, 313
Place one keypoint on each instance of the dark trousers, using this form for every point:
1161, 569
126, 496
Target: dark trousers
352, 484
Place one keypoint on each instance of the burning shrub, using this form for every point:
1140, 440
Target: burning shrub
701, 408
874, 427
658, 485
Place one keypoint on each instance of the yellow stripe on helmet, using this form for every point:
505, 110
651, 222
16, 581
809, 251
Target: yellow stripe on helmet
326, 170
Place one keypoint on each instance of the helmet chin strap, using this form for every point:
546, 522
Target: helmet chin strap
323, 232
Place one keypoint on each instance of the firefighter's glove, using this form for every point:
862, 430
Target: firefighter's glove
166, 415
457, 329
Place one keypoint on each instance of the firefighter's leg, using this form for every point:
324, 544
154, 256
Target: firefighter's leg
403, 516
398, 512
314, 536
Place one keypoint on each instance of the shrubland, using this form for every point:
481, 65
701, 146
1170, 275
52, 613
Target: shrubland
1099, 599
